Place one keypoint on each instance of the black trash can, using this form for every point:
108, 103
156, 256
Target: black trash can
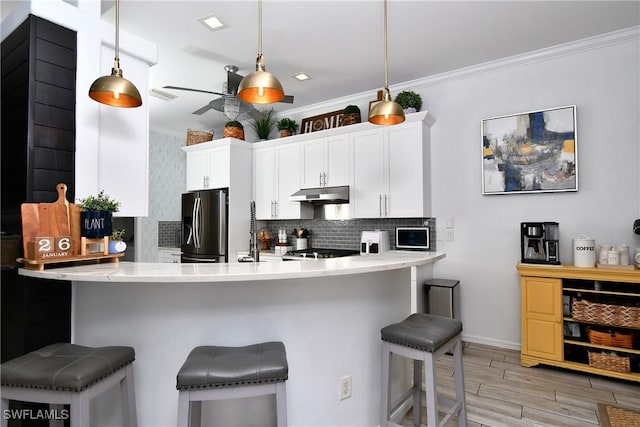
442, 297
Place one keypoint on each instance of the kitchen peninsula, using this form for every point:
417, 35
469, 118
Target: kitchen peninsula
327, 312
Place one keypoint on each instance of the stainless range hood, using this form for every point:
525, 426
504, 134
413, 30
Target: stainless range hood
322, 195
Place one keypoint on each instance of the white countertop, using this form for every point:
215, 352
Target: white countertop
131, 272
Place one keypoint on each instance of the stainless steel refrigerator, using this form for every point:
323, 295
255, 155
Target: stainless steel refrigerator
204, 226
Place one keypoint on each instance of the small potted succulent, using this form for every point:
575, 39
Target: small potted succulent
350, 115
116, 242
233, 129
96, 215
410, 101
263, 126
287, 127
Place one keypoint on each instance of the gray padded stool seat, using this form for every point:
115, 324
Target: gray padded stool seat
71, 374
218, 373
423, 338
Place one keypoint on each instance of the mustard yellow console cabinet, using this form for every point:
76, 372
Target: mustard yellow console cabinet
586, 319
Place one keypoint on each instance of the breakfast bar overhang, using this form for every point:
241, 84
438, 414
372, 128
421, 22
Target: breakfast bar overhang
327, 312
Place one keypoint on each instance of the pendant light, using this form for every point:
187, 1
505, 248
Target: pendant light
386, 112
260, 87
115, 90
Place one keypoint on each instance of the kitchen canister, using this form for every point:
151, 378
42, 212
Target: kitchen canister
584, 251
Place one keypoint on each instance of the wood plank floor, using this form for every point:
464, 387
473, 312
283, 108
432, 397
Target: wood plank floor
501, 393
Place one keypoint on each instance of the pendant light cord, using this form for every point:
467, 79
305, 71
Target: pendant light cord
259, 27
386, 72
117, 58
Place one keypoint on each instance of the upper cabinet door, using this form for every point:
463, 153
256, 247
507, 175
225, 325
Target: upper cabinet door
197, 170
338, 162
264, 182
405, 161
313, 163
369, 189
287, 180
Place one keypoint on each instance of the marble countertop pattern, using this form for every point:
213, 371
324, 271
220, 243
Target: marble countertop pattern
134, 272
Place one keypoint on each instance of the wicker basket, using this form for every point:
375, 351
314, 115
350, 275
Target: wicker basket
198, 136
614, 339
607, 314
609, 362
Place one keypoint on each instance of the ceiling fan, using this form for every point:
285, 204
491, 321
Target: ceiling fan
229, 103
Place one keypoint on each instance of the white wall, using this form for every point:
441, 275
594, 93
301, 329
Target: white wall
604, 84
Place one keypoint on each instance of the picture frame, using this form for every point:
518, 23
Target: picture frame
530, 152
375, 101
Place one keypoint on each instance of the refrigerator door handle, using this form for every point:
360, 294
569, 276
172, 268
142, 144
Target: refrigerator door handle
190, 234
196, 222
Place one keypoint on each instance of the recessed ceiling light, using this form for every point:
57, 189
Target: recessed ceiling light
212, 22
301, 76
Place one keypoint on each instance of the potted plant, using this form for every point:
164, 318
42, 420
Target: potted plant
116, 242
350, 115
410, 101
233, 129
264, 125
96, 215
287, 127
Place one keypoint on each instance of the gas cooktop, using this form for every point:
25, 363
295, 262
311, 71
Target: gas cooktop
317, 253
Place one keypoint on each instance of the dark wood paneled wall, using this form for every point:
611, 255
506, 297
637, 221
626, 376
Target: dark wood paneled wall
38, 151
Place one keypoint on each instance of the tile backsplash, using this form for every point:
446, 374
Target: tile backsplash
169, 234
345, 234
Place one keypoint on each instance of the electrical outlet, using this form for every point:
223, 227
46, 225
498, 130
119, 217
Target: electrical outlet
345, 387
450, 236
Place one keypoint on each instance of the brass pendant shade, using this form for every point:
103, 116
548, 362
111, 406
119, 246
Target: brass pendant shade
260, 87
386, 112
115, 90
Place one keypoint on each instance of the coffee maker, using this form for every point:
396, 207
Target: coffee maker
539, 243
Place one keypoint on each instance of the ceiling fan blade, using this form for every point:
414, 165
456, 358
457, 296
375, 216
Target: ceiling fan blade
255, 114
192, 90
288, 99
202, 110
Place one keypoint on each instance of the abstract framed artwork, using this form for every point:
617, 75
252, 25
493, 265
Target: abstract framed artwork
531, 152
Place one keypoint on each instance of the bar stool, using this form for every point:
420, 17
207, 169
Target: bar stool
63, 373
218, 373
424, 338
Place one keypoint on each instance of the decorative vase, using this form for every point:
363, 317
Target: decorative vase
410, 110
285, 133
117, 246
233, 132
95, 224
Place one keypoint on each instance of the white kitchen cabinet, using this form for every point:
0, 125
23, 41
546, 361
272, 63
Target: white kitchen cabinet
208, 168
277, 176
392, 176
326, 162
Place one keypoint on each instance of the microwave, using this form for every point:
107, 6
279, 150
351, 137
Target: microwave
413, 238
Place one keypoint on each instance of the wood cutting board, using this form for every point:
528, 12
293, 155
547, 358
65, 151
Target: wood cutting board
50, 219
